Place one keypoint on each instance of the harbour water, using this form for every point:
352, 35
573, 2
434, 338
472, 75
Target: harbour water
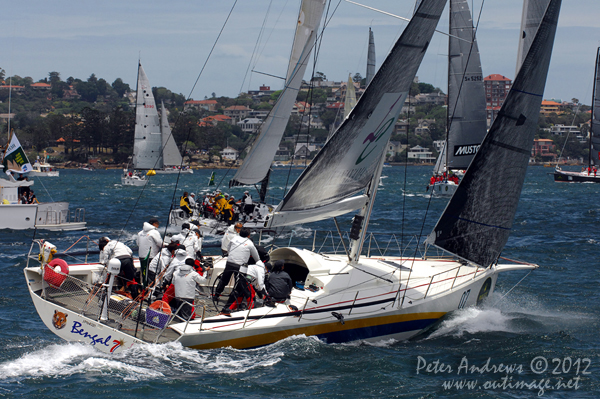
535, 337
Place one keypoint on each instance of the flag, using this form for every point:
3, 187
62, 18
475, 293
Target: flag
211, 182
15, 159
144, 269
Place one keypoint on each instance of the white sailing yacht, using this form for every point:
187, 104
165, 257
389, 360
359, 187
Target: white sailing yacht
466, 115
353, 297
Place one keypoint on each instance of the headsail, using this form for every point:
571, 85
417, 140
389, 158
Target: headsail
370, 58
595, 121
476, 222
147, 144
347, 163
533, 12
466, 94
258, 161
350, 100
171, 155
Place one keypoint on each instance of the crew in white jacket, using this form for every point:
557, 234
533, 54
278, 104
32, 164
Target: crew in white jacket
185, 279
231, 232
149, 239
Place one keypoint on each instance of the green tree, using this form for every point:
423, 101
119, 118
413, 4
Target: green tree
120, 87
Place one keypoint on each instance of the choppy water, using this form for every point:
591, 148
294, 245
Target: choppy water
545, 330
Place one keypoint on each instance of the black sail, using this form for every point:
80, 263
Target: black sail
477, 221
595, 122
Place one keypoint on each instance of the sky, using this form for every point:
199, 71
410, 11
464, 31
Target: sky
173, 41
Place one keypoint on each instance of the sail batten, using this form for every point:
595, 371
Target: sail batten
258, 161
347, 163
147, 144
476, 222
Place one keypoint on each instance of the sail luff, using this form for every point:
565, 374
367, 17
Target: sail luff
533, 12
346, 164
171, 154
147, 144
477, 221
466, 92
370, 58
595, 118
258, 161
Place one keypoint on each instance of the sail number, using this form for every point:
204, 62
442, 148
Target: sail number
148, 106
463, 299
474, 78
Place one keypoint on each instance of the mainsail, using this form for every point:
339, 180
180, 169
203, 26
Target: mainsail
258, 161
147, 145
350, 100
595, 121
171, 155
370, 58
533, 12
14, 159
477, 221
466, 94
347, 163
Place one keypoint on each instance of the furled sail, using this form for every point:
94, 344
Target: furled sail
370, 58
258, 161
147, 144
595, 122
476, 222
466, 94
348, 161
171, 155
533, 12
350, 100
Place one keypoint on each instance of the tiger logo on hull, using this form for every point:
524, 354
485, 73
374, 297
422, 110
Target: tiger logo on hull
59, 320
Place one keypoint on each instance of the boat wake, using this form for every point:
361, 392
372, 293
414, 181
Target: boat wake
520, 315
140, 363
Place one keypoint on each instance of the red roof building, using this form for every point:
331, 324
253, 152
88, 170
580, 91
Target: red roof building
209, 105
496, 89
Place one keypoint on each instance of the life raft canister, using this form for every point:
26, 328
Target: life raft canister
56, 272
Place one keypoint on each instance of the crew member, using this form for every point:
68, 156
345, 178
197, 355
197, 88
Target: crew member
184, 281
279, 284
239, 251
231, 231
114, 249
184, 204
149, 239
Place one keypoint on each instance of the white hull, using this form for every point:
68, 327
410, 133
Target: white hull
18, 216
350, 303
443, 189
45, 174
133, 181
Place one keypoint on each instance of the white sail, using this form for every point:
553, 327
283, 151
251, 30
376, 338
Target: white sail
370, 58
440, 164
533, 12
147, 145
350, 100
258, 161
347, 163
15, 159
171, 155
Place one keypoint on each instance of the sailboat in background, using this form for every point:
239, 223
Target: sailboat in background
171, 157
370, 59
147, 142
257, 164
591, 173
466, 118
350, 100
256, 167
